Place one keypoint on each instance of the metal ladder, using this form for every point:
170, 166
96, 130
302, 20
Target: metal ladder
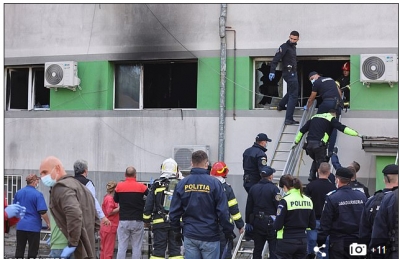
244, 249
285, 159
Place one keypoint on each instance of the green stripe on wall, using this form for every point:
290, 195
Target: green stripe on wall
381, 162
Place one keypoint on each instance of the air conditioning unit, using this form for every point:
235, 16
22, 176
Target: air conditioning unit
378, 68
183, 155
61, 75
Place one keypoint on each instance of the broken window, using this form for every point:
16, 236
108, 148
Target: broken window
25, 89
151, 85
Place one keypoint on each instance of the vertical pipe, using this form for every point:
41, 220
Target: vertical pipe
234, 71
222, 35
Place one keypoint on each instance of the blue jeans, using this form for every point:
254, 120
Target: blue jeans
56, 253
197, 249
312, 242
290, 98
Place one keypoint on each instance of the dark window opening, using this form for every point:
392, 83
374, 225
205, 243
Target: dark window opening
19, 88
170, 85
42, 94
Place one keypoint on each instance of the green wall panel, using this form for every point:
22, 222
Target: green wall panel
377, 97
208, 83
97, 89
381, 162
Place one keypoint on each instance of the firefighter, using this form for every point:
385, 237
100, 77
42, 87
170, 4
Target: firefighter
156, 211
319, 129
343, 83
294, 215
260, 212
220, 171
254, 159
390, 174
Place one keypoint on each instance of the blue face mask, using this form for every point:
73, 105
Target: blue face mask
312, 81
48, 181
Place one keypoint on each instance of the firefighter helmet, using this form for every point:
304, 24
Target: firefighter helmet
219, 169
169, 168
346, 66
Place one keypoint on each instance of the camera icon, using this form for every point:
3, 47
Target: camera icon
358, 249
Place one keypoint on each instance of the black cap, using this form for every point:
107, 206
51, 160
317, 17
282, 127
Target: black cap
391, 169
312, 73
344, 173
263, 137
267, 171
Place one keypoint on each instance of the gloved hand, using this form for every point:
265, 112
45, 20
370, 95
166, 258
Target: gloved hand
48, 241
273, 217
67, 251
293, 146
13, 210
22, 212
271, 76
359, 135
230, 236
249, 228
305, 107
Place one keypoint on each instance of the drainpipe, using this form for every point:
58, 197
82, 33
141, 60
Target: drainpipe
221, 132
234, 70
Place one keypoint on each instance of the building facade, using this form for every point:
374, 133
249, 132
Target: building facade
151, 77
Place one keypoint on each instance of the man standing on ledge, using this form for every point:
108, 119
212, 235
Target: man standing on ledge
287, 53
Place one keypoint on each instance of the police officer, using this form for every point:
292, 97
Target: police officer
385, 231
287, 53
317, 191
319, 129
331, 99
355, 166
260, 212
390, 177
340, 218
254, 159
199, 202
220, 171
344, 84
156, 211
294, 215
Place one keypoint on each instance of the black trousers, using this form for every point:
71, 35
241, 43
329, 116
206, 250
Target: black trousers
291, 248
33, 239
163, 237
318, 155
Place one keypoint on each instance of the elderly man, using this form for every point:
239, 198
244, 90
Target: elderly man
72, 206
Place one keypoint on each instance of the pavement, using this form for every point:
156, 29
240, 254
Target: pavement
10, 242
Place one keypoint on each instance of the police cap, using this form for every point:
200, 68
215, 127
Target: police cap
263, 137
267, 171
344, 173
391, 169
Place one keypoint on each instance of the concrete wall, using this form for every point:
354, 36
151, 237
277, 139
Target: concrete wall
36, 33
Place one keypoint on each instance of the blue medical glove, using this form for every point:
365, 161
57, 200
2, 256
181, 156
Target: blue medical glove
271, 76
67, 251
248, 227
48, 241
13, 210
305, 107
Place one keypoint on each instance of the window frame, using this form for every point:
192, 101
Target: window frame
140, 87
31, 88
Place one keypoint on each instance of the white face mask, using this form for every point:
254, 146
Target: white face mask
312, 81
337, 184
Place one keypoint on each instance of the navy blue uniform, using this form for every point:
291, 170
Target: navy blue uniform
287, 53
385, 231
368, 216
340, 220
329, 93
343, 82
262, 201
317, 191
254, 159
201, 202
294, 215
